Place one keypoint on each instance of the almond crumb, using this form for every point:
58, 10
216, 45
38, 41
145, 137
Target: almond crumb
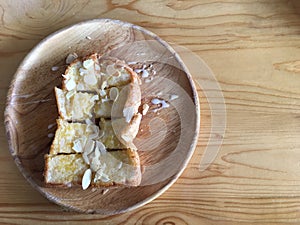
71, 57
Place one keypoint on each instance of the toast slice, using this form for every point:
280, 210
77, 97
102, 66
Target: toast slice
114, 168
75, 106
72, 137
64, 170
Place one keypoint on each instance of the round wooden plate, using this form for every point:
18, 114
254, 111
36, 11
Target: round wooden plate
167, 137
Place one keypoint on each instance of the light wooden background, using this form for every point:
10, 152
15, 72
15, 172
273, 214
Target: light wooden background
253, 48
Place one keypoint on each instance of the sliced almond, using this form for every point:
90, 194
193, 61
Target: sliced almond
105, 191
86, 179
71, 57
88, 64
98, 175
94, 98
145, 74
113, 93
97, 153
102, 93
101, 147
128, 113
95, 164
77, 147
173, 97
55, 68
101, 133
97, 67
111, 70
89, 147
155, 101
95, 131
145, 109
70, 84
89, 122
70, 94
105, 178
90, 79
66, 76
80, 87
119, 166
82, 71
104, 85
86, 158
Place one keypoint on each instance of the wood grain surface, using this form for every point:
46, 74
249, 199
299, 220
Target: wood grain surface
253, 49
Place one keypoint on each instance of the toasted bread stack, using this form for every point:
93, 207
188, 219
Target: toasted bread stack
94, 153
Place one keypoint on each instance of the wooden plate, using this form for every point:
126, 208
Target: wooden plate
166, 140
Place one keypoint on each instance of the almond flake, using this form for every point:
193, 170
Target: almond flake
90, 79
105, 191
97, 153
128, 113
89, 122
155, 101
66, 76
86, 179
80, 87
145, 74
173, 97
138, 70
105, 99
95, 164
145, 109
89, 147
110, 70
85, 158
104, 85
164, 104
97, 67
102, 93
71, 57
113, 93
88, 64
105, 178
70, 94
82, 71
94, 98
98, 175
95, 132
119, 166
70, 85
101, 147
101, 133
77, 147
55, 68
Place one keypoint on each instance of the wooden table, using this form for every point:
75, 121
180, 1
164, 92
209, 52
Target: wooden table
253, 48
